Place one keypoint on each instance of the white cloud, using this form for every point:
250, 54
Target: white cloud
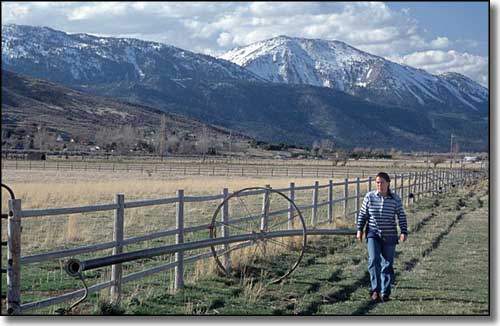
14, 12
215, 27
225, 39
437, 62
440, 43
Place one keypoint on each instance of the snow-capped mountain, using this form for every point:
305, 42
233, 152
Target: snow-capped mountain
79, 59
339, 66
243, 99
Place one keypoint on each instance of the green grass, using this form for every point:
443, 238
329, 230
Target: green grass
433, 273
448, 234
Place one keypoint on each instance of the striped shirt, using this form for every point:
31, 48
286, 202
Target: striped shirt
380, 215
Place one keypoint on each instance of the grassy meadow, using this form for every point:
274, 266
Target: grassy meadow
56, 189
308, 291
448, 235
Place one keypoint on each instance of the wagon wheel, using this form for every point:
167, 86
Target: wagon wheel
269, 252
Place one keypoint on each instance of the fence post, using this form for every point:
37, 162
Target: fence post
290, 206
425, 184
265, 210
434, 186
419, 185
330, 201
225, 229
409, 188
358, 191
430, 182
369, 184
396, 184
438, 178
443, 178
116, 270
14, 258
179, 238
346, 195
415, 187
402, 187
314, 212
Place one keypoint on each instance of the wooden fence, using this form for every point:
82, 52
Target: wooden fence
203, 169
422, 183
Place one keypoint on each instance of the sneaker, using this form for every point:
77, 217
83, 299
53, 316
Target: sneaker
385, 297
375, 296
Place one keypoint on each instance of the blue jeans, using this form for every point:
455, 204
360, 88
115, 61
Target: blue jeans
380, 260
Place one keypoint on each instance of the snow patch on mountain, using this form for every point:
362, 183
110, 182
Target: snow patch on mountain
83, 59
337, 65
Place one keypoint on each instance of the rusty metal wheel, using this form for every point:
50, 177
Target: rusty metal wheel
279, 231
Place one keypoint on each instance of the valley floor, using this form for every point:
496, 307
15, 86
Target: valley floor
443, 269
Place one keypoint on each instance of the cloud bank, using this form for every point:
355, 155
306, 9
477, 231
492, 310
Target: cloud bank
215, 27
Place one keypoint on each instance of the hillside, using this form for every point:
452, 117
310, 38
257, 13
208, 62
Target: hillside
339, 66
28, 103
220, 92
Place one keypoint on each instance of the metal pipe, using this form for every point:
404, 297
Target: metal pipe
11, 192
74, 266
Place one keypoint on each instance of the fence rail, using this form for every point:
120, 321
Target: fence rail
418, 183
205, 169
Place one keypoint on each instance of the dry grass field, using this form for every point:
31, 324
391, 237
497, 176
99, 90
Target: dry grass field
55, 189
50, 188
39, 189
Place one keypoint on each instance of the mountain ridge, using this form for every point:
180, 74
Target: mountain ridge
225, 94
337, 65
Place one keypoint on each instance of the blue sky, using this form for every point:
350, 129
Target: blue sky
435, 36
457, 20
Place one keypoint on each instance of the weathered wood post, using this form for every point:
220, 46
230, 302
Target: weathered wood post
179, 238
116, 270
424, 190
369, 184
314, 211
395, 183
412, 184
438, 178
416, 185
290, 206
346, 195
429, 183
358, 193
432, 182
403, 199
14, 258
419, 185
443, 180
225, 230
330, 201
264, 221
